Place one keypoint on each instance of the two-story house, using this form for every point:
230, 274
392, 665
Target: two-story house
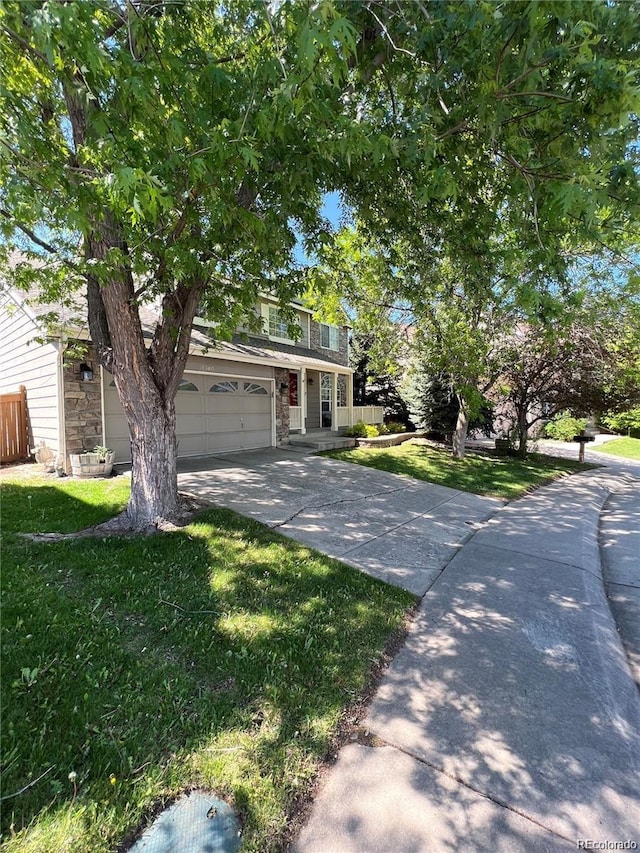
254, 391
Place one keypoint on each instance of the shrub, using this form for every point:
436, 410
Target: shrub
358, 430
362, 430
564, 426
101, 450
395, 427
628, 422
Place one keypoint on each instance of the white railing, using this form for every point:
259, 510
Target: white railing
345, 416
368, 414
295, 417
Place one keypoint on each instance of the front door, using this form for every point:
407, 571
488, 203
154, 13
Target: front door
326, 407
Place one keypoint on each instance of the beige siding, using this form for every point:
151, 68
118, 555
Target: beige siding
222, 366
23, 361
313, 400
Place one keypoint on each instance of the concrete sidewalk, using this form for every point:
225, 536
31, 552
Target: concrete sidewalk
510, 720
620, 549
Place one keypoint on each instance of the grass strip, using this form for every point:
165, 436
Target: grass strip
219, 656
626, 448
480, 473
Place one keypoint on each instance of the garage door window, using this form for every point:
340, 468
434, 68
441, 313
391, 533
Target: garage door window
225, 387
254, 388
187, 386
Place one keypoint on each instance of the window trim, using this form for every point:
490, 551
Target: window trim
330, 328
266, 315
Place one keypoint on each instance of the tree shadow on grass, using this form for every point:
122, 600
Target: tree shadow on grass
65, 507
217, 655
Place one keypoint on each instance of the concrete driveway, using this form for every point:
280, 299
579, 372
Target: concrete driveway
509, 720
394, 528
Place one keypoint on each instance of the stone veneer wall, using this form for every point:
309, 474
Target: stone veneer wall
281, 376
82, 406
341, 356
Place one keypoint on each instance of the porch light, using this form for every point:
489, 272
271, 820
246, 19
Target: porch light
86, 372
310, 380
284, 387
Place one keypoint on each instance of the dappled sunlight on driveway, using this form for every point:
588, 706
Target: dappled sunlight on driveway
394, 528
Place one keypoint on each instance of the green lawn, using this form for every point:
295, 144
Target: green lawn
220, 656
482, 473
628, 448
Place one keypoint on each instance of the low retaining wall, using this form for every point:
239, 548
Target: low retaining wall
388, 440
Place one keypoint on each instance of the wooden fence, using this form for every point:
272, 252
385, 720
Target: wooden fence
14, 436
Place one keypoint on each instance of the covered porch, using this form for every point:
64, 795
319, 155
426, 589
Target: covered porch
322, 401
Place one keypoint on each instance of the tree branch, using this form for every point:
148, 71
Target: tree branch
503, 52
563, 98
235, 57
462, 127
525, 74
24, 44
393, 98
526, 170
524, 115
38, 240
386, 32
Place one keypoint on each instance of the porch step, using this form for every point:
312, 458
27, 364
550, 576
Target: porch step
321, 442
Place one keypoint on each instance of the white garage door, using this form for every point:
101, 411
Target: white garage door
213, 413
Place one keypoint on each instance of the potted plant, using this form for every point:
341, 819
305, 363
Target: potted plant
97, 463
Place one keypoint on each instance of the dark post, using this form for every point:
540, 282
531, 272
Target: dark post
582, 439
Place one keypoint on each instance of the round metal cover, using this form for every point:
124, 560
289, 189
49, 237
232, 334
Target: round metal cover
196, 823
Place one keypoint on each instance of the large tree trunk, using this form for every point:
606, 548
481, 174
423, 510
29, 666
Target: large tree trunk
460, 432
146, 378
154, 475
147, 395
523, 433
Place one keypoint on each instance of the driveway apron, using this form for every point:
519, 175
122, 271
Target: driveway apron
394, 528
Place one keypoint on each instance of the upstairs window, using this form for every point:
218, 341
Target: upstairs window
277, 326
329, 337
